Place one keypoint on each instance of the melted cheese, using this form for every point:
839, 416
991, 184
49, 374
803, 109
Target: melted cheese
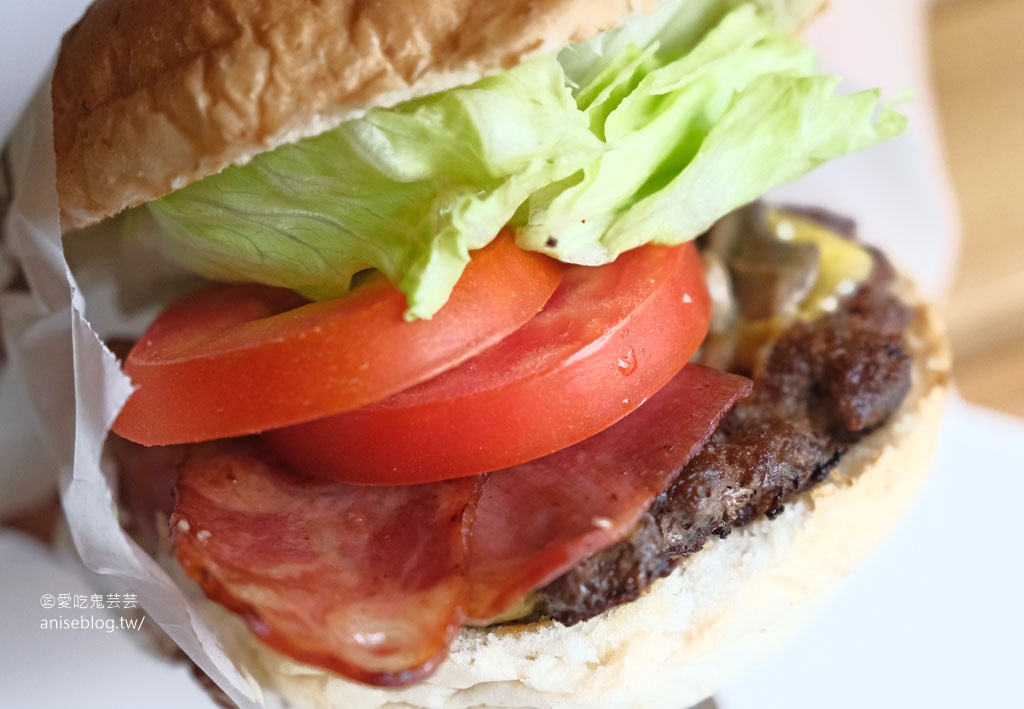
843, 264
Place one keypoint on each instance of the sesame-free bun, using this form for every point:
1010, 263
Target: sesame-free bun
723, 610
151, 96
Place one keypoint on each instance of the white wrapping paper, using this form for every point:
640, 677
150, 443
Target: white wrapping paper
75, 390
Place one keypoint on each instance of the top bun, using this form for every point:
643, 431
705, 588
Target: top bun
149, 97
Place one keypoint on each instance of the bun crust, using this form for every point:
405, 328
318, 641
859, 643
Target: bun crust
721, 612
151, 96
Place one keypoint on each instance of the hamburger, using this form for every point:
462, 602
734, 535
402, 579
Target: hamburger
448, 436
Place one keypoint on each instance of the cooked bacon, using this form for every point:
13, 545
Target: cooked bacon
535, 521
373, 582
364, 581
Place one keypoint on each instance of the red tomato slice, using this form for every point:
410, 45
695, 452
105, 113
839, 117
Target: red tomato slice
609, 338
239, 359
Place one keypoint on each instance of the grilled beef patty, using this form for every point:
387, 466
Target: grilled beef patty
825, 385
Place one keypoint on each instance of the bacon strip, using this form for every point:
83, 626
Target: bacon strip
373, 583
594, 493
364, 581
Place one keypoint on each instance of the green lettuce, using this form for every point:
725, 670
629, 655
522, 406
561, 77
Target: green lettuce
644, 135
409, 191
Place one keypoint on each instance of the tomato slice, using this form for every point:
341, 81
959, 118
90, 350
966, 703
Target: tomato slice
239, 359
610, 337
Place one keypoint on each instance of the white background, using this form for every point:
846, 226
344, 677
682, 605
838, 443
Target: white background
933, 620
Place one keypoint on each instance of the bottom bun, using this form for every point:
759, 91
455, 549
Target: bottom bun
719, 613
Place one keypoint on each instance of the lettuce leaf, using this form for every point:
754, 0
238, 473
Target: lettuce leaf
409, 191
647, 134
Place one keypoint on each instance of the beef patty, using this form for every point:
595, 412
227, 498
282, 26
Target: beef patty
825, 385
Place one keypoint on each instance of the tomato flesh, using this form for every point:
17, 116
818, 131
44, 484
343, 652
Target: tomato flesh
610, 337
239, 359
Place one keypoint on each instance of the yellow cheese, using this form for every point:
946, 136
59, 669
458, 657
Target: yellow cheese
844, 264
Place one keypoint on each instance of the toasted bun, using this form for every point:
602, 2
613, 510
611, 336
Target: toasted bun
722, 611
149, 97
